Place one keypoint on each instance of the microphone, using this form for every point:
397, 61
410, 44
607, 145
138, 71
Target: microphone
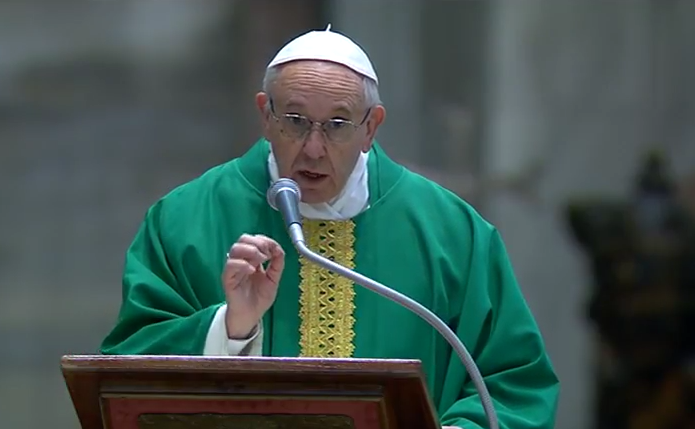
284, 195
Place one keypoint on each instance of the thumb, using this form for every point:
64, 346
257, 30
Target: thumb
277, 264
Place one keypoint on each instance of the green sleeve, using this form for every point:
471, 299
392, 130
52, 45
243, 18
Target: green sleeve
508, 349
158, 315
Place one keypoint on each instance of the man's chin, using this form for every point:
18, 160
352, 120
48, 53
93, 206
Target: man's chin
316, 191
315, 200
315, 196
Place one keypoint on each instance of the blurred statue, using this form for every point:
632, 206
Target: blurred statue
687, 194
643, 305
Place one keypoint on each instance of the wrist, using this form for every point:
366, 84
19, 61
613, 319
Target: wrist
241, 331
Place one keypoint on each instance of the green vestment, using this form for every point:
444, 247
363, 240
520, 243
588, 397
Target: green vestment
415, 237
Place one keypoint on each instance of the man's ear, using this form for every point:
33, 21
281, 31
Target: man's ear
262, 104
376, 118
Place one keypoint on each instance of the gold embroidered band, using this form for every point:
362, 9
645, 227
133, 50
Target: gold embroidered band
327, 299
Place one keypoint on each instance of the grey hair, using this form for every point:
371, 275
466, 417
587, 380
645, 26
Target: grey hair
370, 87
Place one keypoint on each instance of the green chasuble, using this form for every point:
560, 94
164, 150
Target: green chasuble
415, 237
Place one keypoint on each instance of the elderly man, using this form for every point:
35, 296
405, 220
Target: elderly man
212, 270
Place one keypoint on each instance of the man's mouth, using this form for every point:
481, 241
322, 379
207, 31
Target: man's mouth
312, 175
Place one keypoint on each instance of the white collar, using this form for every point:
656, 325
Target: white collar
350, 202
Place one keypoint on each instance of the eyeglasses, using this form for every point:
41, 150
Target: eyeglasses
335, 130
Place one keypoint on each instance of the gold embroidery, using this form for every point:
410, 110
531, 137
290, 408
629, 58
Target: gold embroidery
327, 299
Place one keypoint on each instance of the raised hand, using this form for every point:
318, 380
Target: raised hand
249, 285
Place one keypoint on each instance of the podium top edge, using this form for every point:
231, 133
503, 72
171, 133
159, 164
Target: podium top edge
178, 363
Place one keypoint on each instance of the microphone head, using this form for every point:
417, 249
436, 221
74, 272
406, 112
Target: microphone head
282, 184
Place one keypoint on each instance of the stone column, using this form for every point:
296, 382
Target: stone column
377, 26
569, 85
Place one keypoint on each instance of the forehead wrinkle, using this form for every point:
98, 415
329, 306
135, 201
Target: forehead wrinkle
339, 89
339, 108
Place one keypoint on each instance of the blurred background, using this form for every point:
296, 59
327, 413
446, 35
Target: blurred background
569, 124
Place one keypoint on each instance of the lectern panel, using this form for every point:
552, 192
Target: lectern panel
172, 412
177, 392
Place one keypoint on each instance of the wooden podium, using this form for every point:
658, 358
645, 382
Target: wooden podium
180, 392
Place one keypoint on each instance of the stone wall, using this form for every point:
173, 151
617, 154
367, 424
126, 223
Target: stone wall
104, 107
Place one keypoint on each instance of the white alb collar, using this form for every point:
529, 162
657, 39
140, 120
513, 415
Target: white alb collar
350, 202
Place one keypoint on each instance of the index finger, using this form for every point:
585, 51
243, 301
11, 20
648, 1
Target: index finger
266, 245
256, 241
274, 248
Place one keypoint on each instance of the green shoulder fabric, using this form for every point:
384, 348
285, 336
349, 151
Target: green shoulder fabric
508, 348
155, 316
171, 278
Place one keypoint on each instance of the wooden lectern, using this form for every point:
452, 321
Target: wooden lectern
177, 392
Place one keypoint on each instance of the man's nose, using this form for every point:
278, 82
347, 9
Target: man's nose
315, 144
